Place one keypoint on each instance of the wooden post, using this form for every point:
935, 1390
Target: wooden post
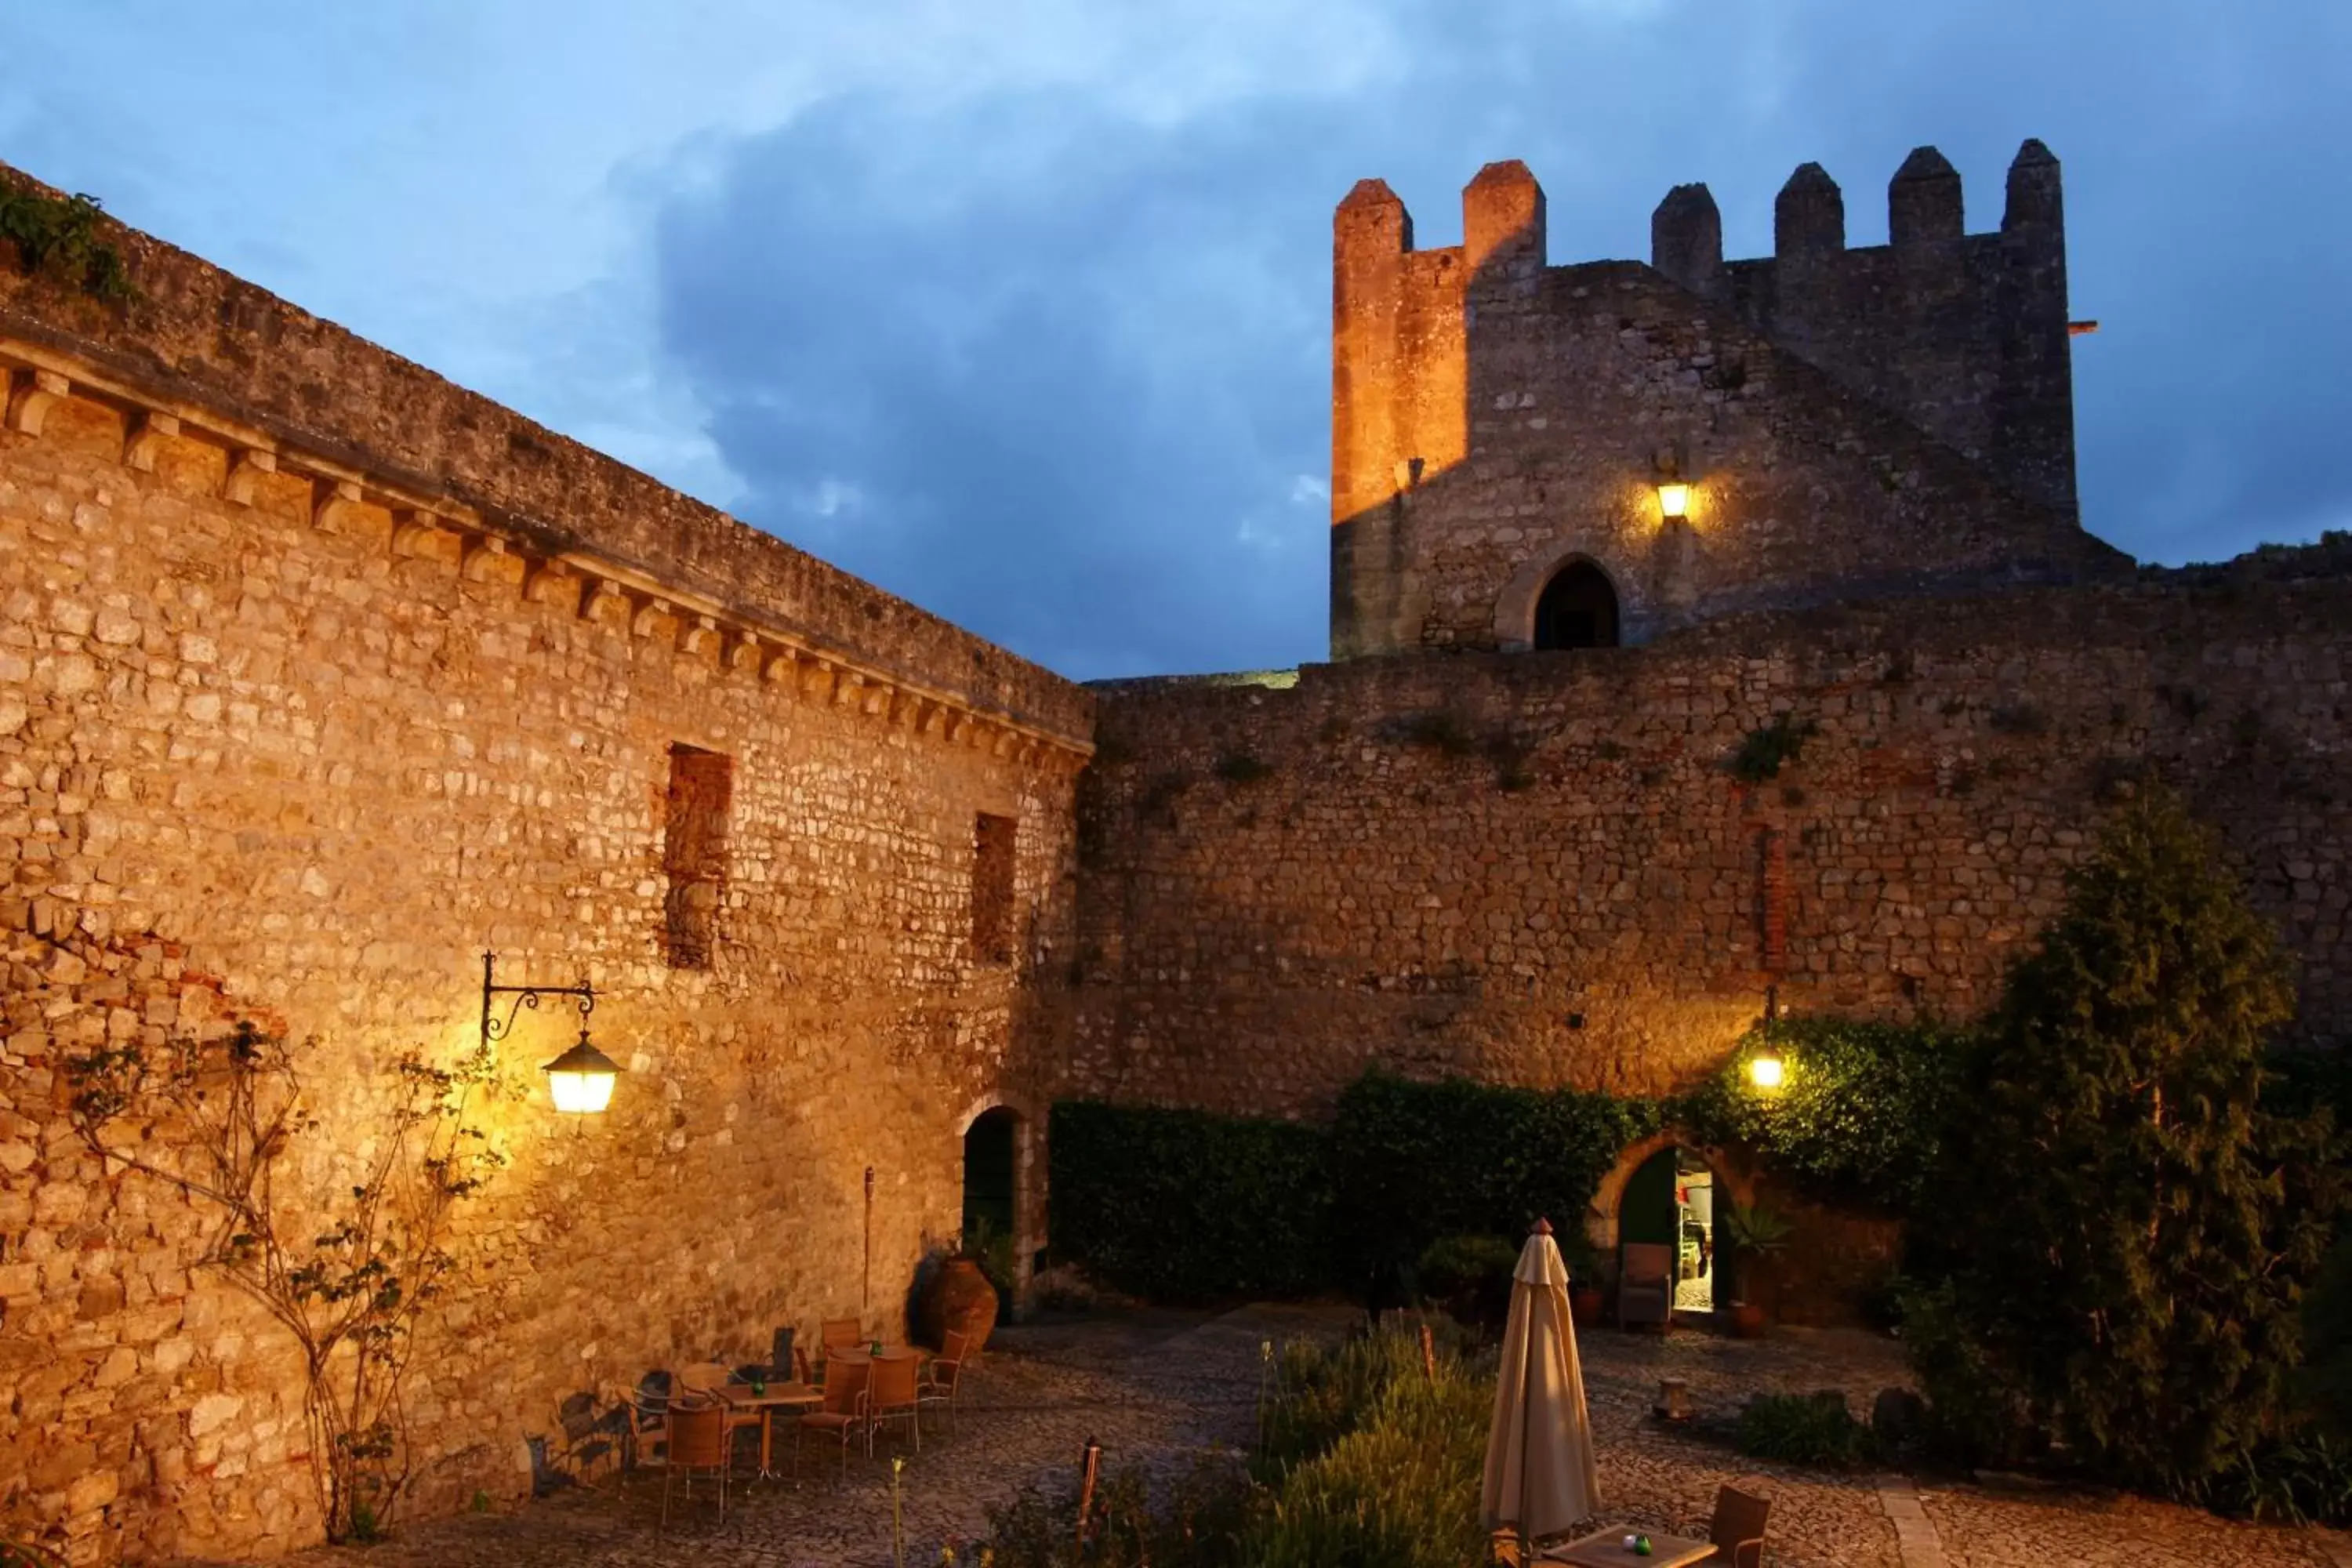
1087, 1467
1428, 1354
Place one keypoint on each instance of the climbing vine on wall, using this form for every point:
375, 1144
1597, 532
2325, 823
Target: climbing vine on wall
348, 1277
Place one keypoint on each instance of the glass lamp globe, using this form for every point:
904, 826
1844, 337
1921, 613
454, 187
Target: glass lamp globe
580, 1082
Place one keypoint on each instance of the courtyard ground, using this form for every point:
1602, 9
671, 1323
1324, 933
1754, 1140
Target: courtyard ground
1160, 1387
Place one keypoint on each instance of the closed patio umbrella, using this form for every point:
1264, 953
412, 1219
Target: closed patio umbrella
1541, 1475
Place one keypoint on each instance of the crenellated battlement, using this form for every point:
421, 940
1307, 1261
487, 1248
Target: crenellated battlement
1924, 324
1949, 348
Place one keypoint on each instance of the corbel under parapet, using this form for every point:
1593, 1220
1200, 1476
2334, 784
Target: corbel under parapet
607, 602
246, 467
650, 616
334, 505
552, 582
143, 437
30, 395
484, 558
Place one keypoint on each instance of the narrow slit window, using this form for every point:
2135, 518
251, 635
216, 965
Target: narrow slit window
992, 889
694, 852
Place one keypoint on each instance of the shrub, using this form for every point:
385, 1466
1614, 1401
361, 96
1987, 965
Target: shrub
2297, 1478
1763, 752
60, 237
1323, 1393
1363, 1458
1240, 768
1470, 1276
2131, 1281
1181, 1206
1814, 1429
2325, 1386
1197, 1520
1401, 1491
1439, 729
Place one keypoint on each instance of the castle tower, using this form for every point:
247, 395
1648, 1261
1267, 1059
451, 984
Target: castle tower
1527, 456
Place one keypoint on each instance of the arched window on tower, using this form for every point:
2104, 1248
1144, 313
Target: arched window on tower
1578, 609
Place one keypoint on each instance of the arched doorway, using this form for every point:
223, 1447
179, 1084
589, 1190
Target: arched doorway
1670, 1201
1578, 608
990, 1182
1659, 1189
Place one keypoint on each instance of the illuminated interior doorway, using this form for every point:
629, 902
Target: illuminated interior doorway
1670, 1201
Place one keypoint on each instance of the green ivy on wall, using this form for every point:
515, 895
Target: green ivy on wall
1857, 1120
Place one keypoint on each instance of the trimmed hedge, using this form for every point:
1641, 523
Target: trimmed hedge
1415, 1161
1182, 1205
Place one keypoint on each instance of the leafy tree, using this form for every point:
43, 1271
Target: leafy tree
2130, 1229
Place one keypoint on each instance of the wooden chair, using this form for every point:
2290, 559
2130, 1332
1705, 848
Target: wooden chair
1738, 1529
698, 1440
893, 1393
843, 1415
1645, 1284
709, 1377
944, 1375
837, 1333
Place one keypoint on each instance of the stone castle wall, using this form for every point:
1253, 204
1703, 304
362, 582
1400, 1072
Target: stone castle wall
1855, 423
320, 677
1535, 867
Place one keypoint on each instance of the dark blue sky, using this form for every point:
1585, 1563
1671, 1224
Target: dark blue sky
1021, 310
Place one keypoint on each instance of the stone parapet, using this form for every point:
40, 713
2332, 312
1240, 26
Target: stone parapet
204, 356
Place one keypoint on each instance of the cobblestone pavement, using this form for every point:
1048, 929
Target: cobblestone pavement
1665, 1479
1159, 1387
1148, 1385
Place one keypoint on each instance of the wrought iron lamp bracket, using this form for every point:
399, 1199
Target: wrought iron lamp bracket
495, 1028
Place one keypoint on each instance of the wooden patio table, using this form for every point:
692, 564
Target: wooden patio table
1607, 1548
779, 1396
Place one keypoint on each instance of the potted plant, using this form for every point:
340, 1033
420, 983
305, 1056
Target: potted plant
1758, 1234
1585, 1302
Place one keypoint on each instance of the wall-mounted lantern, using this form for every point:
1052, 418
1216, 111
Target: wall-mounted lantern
1673, 499
580, 1082
581, 1079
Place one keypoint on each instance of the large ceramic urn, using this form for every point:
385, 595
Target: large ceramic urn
958, 1297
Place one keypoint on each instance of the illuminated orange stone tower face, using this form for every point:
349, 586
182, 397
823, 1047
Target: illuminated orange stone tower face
1525, 456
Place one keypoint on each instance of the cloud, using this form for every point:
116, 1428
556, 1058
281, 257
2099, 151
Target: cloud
1021, 310
1048, 372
